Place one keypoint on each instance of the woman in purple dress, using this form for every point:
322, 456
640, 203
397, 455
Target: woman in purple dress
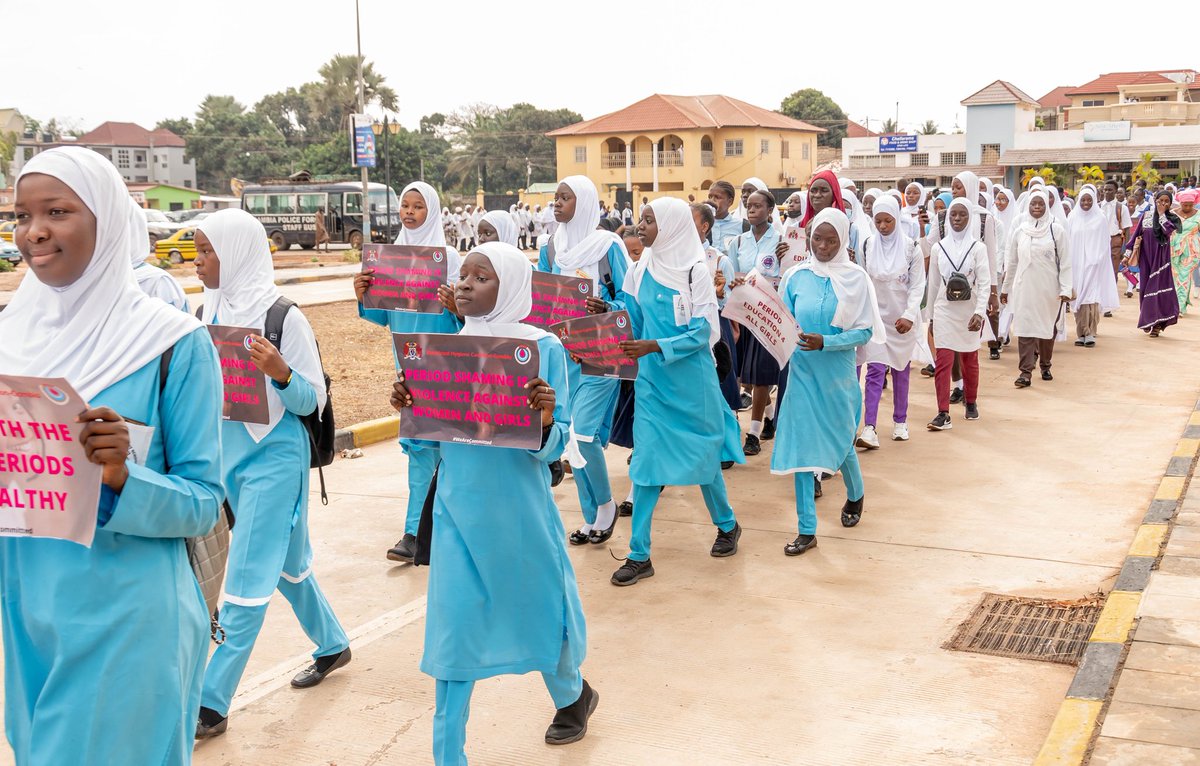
1150, 249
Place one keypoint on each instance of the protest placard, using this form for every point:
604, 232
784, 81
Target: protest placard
797, 248
557, 298
48, 488
756, 306
594, 340
469, 389
245, 384
407, 277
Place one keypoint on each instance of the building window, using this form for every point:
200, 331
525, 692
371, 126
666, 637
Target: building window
123, 159
804, 151
764, 146
954, 158
733, 147
1093, 102
187, 184
141, 179
873, 161
989, 154
581, 154
785, 151
920, 160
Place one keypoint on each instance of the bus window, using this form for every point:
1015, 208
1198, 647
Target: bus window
379, 201
256, 204
353, 203
281, 204
311, 203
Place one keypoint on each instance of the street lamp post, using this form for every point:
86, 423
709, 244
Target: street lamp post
387, 129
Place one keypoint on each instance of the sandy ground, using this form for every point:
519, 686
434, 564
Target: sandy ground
358, 358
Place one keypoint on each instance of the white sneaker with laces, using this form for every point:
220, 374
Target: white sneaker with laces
868, 438
900, 432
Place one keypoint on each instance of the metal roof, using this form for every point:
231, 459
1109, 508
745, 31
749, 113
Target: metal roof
1125, 152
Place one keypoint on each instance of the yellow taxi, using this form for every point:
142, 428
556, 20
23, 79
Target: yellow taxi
6, 230
181, 246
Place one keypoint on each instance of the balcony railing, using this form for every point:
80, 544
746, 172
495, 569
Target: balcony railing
645, 159
1144, 112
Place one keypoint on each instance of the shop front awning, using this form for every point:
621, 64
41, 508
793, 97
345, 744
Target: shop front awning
1098, 154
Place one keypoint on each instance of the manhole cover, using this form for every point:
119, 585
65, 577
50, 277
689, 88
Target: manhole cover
1049, 630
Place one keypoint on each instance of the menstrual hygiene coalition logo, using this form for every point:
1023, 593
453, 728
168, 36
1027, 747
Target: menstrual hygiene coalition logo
522, 354
438, 256
583, 287
248, 342
412, 351
54, 394
621, 322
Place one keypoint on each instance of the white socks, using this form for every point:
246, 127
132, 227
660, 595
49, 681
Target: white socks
605, 515
585, 528
769, 412
630, 498
756, 427
958, 384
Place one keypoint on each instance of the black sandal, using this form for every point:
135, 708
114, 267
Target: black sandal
579, 537
800, 545
1022, 382
599, 536
852, 512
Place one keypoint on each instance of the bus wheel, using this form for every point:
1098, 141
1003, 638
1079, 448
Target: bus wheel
356, 240
279, 240
175, 256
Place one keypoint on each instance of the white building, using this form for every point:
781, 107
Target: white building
142, 156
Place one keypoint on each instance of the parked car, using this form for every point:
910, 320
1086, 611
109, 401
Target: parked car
9, 252
6, 230
181, 246
159, 225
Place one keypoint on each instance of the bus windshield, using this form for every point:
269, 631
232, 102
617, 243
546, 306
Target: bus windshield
379, 202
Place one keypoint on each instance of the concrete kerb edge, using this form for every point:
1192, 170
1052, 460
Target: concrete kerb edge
1077, 723
366, 433
194, 289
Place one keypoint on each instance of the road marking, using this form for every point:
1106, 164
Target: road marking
1117, 617
270, 681
1070, 733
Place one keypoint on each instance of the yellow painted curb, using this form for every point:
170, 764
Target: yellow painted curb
193, 289
1071, 733
1187, 447
1194, 420
1148, 540
1170, 488
375, 431
1117, 617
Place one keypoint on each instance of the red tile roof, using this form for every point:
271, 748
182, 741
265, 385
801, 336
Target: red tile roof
659, 112
998, 92
854, 130
1108, 83
129, 134
1056, 98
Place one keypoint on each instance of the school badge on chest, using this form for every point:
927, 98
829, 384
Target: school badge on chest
768, 262
412, 351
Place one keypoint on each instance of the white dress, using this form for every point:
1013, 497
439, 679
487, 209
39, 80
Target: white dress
950, 318
899, 294
1035, 276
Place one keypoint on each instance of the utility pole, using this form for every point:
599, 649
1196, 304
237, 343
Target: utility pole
362, 109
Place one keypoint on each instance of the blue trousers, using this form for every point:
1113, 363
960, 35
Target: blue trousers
422, 463
452, 708
716, 499
806, 505
591, 481
242, 625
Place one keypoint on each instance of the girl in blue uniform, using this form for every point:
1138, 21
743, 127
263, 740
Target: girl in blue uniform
422, 219
833, 301
502, 592
265, 468
723, 272
579, 249
673, 308
104, 646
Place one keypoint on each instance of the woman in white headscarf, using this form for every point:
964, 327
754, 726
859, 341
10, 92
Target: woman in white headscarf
673, 308
496, 226
897, 271
153, 281
580, 249
502, 593
834, 303
1091, 266
1037, 277
104, 646
958, 315
265, 466
860, 225
421, 225
910, 212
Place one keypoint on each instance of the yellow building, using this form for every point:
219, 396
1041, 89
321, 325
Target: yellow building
678, 145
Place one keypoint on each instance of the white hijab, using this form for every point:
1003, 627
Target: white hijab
956, 244
578, 244
1037, 227
970, 183
100, 329
1008, 214
857, 215
673, 257
914, 210
1056, 208
888, 255
504, 225
1087, 230
514, 297
431, 233
857, 307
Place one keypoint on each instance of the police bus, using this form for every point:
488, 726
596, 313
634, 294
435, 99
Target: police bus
288, 211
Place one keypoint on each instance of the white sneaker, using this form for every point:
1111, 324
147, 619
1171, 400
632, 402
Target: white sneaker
900, 432
868, 438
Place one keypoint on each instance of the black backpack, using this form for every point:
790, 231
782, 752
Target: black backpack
319, 426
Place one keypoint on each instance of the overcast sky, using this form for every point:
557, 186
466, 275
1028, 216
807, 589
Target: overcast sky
142, 60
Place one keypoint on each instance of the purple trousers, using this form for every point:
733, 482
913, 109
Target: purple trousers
876, 375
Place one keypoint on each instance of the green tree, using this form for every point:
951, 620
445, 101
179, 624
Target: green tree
813, 106
496, 146
180, 126
929, 128
228, 141
8, 148
336, 93
890, 126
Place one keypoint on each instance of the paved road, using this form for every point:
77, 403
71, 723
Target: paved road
831, 658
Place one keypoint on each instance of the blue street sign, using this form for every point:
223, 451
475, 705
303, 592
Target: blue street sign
897, 144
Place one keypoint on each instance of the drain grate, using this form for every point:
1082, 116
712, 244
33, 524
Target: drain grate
1048, 630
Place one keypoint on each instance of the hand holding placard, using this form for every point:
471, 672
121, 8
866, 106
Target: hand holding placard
754, 304
402, 278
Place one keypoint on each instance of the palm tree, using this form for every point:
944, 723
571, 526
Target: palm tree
336, 95
929, 128
890, 126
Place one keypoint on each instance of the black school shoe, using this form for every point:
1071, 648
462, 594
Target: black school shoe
405, 550
570, 723
956, 396
211, 724
753, 446
1046, 374
928, 371
726, 543
726, 465
323, 666
768, 432
941, 422
852, 512
972, 411
994, 353
632, 571
800, 545
579, 537
625, 509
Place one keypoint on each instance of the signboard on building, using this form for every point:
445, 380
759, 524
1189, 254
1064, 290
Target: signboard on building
363, 138
1118, 130
897, 144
